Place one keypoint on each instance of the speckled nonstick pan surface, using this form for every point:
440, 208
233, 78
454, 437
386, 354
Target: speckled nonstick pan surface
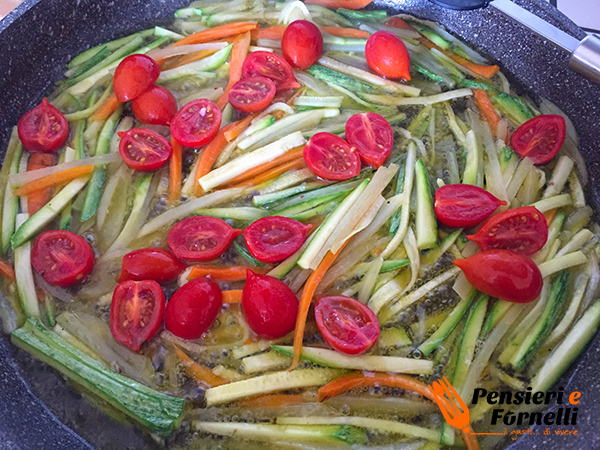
41, 36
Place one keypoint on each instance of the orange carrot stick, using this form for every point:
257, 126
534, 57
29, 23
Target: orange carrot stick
485, 107
346, 32
272, 401
238, 55
255, 171
305, 300
550, 216
397, 22
186, 59
7, 270
200, 373
335, 4
275, 32
175, 172
37, 199
231, 273
297, 163
238, 127
233, 296
219, 32
110, 105
53, 180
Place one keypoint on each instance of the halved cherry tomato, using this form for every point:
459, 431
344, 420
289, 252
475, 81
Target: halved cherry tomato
200, 238
372, 136
503, 274
196, 123
346, 324
144, 149
523, 230
270, 306
193, 308
540, 138
274, 238
464, 205
302, 44
136, 312
387, 55
270, 65
134, 75
330, 157
155, 107
150, 264
43, 129
252, 94
62, 258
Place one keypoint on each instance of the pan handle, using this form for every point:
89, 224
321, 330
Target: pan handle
462, 4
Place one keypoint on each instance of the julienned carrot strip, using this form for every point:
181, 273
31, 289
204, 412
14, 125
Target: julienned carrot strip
110, 105
549, 215
232, 273
397, 22
200, 373
275, 32
53, 180
233, 296
175, 172
209, 155
272, 401
485, 106
335, 4
294, 164
7, 270
305, 300
258, 170
219, 32
484, 71
238, 54
186, 59
238, 127
37, 199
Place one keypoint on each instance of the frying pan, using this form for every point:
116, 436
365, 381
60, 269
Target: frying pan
41, 36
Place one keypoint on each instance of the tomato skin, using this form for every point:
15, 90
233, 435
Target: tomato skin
156, 106
270, 306
302, 44
135, 75
43, 129
136, 312
346, 324
540, 138
503, 274
464, 205
387, 55
150, 264
523, 230
270, 65
196, 123
144, 149
252, 94
372, 136
330, 157
274, 238
200, 238
62, 258
193, 308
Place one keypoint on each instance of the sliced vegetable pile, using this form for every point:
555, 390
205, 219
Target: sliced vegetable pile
310, 210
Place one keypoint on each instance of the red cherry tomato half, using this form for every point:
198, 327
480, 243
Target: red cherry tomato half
387, 55
372, 136
330, 157
136, 312
134, 75
503, 274
252, 94
155, 107
193, 308
144, 149
196, 123
150, 264
523, 230
62, 258
464, 205
302, 44
540, 138
43, 129
272, 239
269, 305
270, 65
346, 324
200, 238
